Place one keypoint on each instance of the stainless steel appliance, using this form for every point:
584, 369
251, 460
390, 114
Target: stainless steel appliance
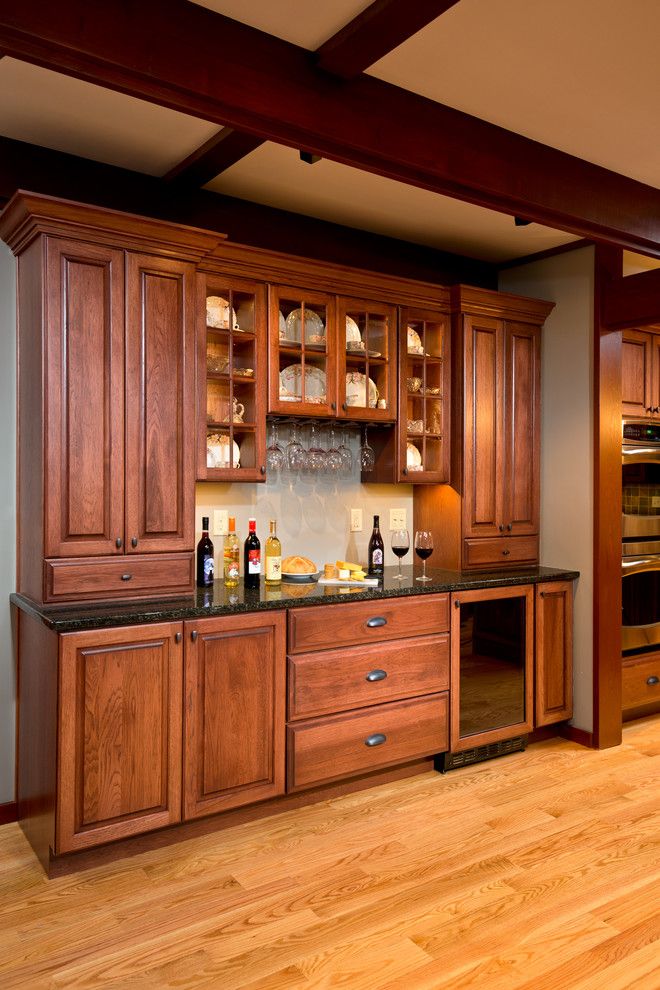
640, 458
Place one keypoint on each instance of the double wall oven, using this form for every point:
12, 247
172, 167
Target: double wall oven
640, 456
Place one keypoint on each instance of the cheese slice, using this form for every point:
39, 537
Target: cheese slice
344, 565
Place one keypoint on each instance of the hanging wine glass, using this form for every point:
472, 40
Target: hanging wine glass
346, 455
275, 456
367, 455
315, 460
295, 452
333, 458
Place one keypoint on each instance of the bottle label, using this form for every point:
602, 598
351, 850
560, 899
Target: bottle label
273, 568
254, 562
377, 557
231, 569
208, 569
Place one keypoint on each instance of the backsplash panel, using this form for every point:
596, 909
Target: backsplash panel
638, 500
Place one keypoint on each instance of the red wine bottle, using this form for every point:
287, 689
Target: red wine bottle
205, 557
376, 551
252, 557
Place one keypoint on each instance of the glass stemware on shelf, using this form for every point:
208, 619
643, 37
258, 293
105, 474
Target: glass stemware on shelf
423, 549
346, 455
367, 455
296, 454
316, 457
400, 547
333, 459
275, 455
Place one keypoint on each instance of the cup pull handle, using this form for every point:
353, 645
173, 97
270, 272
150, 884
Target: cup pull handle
377, 739
378, 620
126, 577
376, 675
652, 680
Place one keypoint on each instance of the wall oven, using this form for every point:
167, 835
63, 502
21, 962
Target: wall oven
640, 457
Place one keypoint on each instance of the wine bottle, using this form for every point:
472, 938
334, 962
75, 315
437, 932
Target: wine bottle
232, 555
273, 556
252, 557
376, 551
205, 557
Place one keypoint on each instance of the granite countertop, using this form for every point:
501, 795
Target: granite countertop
231, 601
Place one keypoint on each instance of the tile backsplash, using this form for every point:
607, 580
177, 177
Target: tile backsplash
638, 500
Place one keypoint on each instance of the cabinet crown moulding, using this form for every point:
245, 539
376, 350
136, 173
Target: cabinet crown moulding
473, 301
28, 214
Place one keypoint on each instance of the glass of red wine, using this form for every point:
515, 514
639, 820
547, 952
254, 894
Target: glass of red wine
400, 547
423, 549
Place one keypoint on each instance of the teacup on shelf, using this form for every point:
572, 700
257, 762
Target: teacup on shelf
414, 384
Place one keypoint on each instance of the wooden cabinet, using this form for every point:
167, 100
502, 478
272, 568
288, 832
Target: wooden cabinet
641, 684
554, 652
234, 712
231, 378
367, 360
640, 359
119, 733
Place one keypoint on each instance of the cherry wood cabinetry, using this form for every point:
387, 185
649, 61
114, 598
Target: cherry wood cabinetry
554, 652
367, 360
640, 358
119, 733
234, 712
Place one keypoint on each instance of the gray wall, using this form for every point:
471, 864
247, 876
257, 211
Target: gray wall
7, 516
567, 438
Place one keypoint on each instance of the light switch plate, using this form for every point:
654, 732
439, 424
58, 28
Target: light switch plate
220, 522
397, 519
655, 501
356, 520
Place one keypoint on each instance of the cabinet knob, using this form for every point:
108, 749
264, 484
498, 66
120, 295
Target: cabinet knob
376, 739
378, 620
193, 635
263, 468
344, 407
134, 541
405, 471
457, 603
126, 577
376, 675
177, 637
505, 553
333, 406
501, 527
652, 680
509, 526
119, 542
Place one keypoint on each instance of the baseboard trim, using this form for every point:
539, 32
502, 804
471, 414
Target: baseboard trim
8, 812
580, 736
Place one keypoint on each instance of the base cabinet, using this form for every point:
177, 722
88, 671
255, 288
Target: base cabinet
119, 765
554, 652
234, 712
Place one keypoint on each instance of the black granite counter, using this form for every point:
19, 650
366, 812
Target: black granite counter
231, 601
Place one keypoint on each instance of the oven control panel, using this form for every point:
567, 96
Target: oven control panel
636, 431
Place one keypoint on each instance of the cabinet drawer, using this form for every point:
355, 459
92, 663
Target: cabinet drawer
641, 682
343, 745
330, 626
337, 680
500, 550
118, 577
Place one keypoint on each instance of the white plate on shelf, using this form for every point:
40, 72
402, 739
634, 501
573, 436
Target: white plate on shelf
282, 326
291, 384
413, 457
217, 451
414, 342
314, 327
356, 385
217, 313
353, 335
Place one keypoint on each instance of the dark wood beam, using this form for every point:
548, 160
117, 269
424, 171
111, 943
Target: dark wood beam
379, 29
633, 301
219, 153
168, 53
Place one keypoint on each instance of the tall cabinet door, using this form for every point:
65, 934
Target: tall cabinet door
160, 404
84, 414
637, 373
554, 652
484, 464
119, 735
521, 429
234, 712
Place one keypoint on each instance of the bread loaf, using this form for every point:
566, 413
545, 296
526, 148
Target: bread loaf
298, 565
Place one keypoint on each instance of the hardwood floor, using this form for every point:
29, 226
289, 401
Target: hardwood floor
536, 871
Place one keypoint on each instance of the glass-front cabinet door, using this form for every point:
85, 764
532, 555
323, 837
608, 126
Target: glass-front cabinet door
303, 356
492, 650
231, 376
424, 396
366, 345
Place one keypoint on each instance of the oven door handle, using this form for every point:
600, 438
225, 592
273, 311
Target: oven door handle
636, 455
639, 565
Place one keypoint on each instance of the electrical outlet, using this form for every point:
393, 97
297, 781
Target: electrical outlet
397, 519
356, 520
655, 501
220, 522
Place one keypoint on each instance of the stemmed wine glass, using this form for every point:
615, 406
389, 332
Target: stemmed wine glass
423, 549
400, 547
275, 455
315, 460
367, 455
345, 451
295, 452
333, 457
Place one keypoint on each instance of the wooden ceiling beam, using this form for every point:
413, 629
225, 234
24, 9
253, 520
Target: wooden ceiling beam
188, 58
633, 301
216, 155
375, 32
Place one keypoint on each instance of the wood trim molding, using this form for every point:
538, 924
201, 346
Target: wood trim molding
580, 736
274, 90
377, 30
633, 301
8, 812
500, 306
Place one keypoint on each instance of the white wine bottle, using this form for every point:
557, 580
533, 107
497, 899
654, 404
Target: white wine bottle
273, 556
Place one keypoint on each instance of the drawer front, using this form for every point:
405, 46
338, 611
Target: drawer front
500, 550
330, 626
641, 682
343, 745
110, 577
337, 680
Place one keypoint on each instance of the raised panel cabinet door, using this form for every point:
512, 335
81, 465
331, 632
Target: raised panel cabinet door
637, 373
484, 461
522, 429
655, 373
554, 652
119, 741
160, 404
234, 724
84, 414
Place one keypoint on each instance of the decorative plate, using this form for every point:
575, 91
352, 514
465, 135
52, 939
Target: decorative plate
414, 342
217, 451
245, 316
291, 384
413, 457
353, 334
314, 328
356, 385
282, 326
217, 313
